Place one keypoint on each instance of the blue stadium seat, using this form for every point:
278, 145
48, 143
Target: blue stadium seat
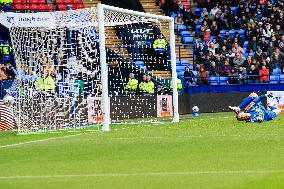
188, 39
232, 32
185, 33
214, 80
174, 15
198, 12
276, 71
181, 27
246, 43
234, 9
195, 73
178, 63
190, 67
251, 53
185, 63
281, 78
274, 79
139, 63
198, 28
224, 80
180, 73
180, 68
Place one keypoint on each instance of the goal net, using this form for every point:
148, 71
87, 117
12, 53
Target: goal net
73, 69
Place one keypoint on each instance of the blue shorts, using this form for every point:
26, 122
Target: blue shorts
271, 115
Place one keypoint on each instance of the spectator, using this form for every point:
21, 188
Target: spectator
233, 76
238, 61
252, 45
214, 71
267, 31
206, 36
237, 49
2, 74
242, 75
263, 74
214, 29
202, 77
188, 78
263, 45
226, 68
252, 74
276, 58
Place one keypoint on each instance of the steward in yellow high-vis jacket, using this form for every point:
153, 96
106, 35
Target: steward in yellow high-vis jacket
132, 83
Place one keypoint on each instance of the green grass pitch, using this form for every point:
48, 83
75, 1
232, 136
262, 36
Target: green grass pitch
212, 151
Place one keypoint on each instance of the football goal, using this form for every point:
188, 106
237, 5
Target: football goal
96, 65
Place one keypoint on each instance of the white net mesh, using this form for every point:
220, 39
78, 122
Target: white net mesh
58, 83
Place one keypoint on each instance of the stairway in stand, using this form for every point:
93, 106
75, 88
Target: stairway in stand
113, 41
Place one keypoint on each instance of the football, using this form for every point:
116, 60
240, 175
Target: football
195, 109
8, 100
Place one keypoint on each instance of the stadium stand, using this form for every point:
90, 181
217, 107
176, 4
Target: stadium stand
242, 34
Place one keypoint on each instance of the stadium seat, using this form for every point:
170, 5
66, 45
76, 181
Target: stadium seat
246, 43
69, 2
34, 7
37, 1
188, 39
80, 6
224, 80
59, 1
139, 63
214, 80
232, 32
281, 78
20, 6
185, 63
17, 1
77, 1
274, 79
198, 12
180, 68
181, 27
234, 9
178, 63
185, 33
276, 71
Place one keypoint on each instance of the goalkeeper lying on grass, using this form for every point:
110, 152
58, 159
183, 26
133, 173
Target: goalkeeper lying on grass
254, 110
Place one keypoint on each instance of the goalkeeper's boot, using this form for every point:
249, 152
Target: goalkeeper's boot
235, 109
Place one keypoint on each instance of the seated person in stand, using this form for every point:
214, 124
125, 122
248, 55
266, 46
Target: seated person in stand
202, 76
263, 74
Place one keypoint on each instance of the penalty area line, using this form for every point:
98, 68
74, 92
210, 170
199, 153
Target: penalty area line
41, 140
141, 174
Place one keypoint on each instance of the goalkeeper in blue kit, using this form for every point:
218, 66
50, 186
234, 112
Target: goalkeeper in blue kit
252, 110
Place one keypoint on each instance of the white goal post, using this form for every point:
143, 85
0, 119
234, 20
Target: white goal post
103, 59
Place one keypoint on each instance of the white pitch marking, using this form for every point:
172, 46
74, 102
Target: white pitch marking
141, 174
41, 140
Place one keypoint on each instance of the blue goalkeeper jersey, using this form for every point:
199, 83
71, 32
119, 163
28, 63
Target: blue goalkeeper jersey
260, 114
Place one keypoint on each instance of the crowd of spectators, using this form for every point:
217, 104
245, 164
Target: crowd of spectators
251, 46
243, 40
